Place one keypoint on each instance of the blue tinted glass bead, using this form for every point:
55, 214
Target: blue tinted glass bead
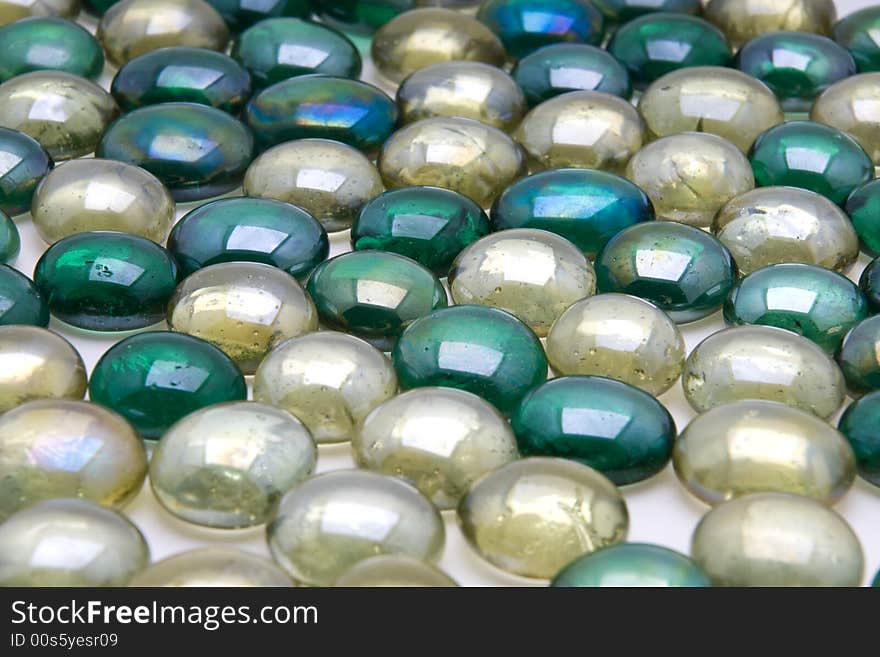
859, 357
870, 284
48, 43
863, 207
23, 164
10, 242
20, 300
241, 14
859, 424
857, 33
632, 565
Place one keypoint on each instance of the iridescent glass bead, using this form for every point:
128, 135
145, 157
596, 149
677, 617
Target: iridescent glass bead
742, 20
241, 14
632, 565
361, 15
859, 357
621, 11
212, 567
394, 571
20, 300
857, 32
859, 424
10, 241
863, 208
13, 10
23, 164
853, 105
36, 44
869, 282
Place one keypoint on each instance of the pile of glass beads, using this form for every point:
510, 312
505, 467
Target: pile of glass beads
447, 250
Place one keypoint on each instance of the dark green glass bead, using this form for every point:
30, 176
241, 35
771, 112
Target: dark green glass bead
815, 302
859, 357
361, 15
182, 74
197, 151
863, 207
811, 156
681, 269
632, 565
859, 424
241, 14
98, 7
564, 67
47, 43
373, 294
23, 164
282, 48
652, 46
613, 427
251, 230
869, 282
428, 224
107, 281
154, 379
10, 242
797, 66
20, 300
585, 206
857, 33
621, 11
353, 112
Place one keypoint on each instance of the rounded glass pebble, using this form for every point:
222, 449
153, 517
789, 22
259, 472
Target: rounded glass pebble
361, 15
332, 521
330, 381
241, 14
777, 539
535, 515
742, 20
61, 448
863, 208
762, 362
13, 10
245, 309
394, 571
10, 241
36, 44
97, 7
621, 11
27, 165
20, 301
155, 378
853, 105
859, 425
869, 283
856, 32
212, 567
859, 357
227, 465
620, 337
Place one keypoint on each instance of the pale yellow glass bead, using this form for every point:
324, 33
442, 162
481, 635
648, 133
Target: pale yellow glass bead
394, 571
212, 567
13, 10
742, 20
853, 105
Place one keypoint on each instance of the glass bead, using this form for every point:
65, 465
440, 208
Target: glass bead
20, 301
60, 448
762, 362
98, 7
10, 242
28, 165
619, 337
428, 224
863, 208
332, 521
227, 465
155, 378
533, 516
330, 381
463, 155
682, 270
13, 10
720, 101
859, 357
621, 11
68, 543
585, 206
241, 14
251, 230
212, 567
812, 301
81, 111
552, 134
361, 15
762, 446
196, 151
394, 571
869, 282
853, 106
742, 20
859, 424
298, 172
478, 349
856, 32
777, 539
440, 440
619, 430
532, 274
36, 44
106, 281
95, 194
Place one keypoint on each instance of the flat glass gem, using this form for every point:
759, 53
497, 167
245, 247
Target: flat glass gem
20, 301
241, 14
70, 543
97, 7
227, 465
332, 521
533, 516
743, 20
440, 440
10, 242
869, 282
106, 281
762, 362
762, 446
155, 378
360, 15
212, 567
24, 164
35, 44
621, 11
394, 571
777, 539
62, 448
857, 33
859, 357
863, 208
859, 424
853, 105
13, 10
613, 427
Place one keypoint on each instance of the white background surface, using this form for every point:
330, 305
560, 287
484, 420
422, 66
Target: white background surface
661, 511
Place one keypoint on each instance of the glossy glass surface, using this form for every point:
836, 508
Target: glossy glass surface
36, 44
212, 567
742, 20
20, 301
360, 15
853, 105
863, 206
241, 14
10, 242
621, 11
857, 33
394, 571
859, 357
13, 10
859, 424
25, 163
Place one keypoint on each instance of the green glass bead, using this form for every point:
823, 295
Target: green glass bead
361, 15
252, 230
869, 282
428, 224
632, 565
857, 33
153, 379
613, 427
20, 300
373, 294
98, 7
482, 350
10, 242
621, 11
23, 164
36, 44
282, 48
197, 151
241, 14
859, 424
585, 206
815, 302
863, 207
859, 357
218, 566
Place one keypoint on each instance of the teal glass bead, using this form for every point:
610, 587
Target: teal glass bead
525, 25
859, 424
653, 45
361, 15
48, 43
353, 112
428, 224
98, 7
611, 426
374, 295
106, 281
241, 14
153, 379
251, 230
857, 33
859, 357
621, 11
23, 164
869, 283
632, 565
812, 156
482, 350
815, 302
797, 66
282, 48
682, 270
586, 206
20, 300
182, 74
197, 151
863, 207
10, 242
